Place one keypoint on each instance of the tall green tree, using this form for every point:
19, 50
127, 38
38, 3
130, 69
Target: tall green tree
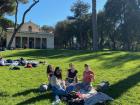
123, 18
46, 28
6, 7
80, 9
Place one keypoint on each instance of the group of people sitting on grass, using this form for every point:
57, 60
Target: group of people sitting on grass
62, 87
18, 62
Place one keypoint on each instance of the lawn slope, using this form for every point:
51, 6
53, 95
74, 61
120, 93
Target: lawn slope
121, 69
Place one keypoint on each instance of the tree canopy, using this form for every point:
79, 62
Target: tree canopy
118, 26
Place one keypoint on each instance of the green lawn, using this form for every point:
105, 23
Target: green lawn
121, 69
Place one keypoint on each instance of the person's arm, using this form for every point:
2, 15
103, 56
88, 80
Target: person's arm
67, 74
83, 76
75, 78
93, 76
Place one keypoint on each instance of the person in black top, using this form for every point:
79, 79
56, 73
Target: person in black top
72, 74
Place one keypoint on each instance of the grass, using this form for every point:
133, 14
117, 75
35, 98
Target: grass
121, 69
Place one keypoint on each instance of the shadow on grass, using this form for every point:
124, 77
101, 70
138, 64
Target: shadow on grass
36, 99
32, 100
53, 54
97, 55
116, 90
119, 60
109, 59
3, 94
26, 92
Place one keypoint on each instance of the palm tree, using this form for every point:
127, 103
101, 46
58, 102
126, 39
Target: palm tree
94, 26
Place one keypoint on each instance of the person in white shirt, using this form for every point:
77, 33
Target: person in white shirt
58, 85
2, 62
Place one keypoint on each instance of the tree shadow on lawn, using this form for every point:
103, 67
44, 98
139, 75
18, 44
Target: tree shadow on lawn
3, 94
48, 53
32, 100
98, 55
36, 99
116, 59
119, 60
26, 92
116, 90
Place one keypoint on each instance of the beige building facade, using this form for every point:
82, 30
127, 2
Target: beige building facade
31, 36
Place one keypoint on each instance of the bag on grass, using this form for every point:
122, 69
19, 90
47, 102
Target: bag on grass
43, 88
103, 86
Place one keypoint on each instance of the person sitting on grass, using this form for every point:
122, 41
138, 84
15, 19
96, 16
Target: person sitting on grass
71, 74
50, 71
2, 62
29, 65
88, 78
57, 85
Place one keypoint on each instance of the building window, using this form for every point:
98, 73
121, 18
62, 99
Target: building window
30, 29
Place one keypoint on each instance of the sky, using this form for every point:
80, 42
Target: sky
49, 12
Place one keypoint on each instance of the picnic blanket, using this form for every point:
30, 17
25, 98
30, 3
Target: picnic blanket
99, 97
93, 97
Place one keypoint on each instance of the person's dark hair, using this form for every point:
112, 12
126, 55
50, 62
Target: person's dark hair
59, 76
49, 68
86, 65
21, 59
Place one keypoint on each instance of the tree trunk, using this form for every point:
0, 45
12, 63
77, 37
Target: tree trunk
16, 28
1, 35
101, 42
94, 26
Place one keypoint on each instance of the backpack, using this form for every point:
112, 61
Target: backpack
103, 86
43, 88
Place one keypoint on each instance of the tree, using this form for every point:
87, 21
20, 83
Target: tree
80, 8
46, 28
4, 24
17, 27
123, 18
94, 24
6, 7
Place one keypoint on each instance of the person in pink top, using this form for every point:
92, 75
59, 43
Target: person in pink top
88, 75
88, 78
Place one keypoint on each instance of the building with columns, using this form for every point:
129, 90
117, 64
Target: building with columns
31, 36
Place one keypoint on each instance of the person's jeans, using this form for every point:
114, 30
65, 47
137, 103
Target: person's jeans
58, 92
85, 86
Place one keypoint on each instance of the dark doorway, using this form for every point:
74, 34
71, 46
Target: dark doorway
31, 42
44, 43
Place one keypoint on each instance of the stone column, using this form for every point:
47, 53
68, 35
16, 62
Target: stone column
40, 43
34, 42
20, 42
46, 43
28, 42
